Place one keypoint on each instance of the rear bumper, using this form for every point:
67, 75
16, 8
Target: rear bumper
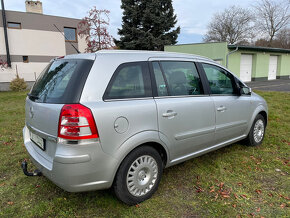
74, 168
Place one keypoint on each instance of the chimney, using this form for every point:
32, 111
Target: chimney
34, 7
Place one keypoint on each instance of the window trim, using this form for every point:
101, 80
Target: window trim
233, 80
154, 87
76, 35
165, 79
146, 78
18, 28
153, 79
203, 78
239, 87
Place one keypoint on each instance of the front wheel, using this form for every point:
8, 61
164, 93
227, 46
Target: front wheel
257, 132
138, 176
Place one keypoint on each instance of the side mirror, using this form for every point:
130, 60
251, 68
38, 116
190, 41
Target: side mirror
245, 91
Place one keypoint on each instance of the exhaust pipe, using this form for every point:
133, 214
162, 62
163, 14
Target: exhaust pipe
34, 173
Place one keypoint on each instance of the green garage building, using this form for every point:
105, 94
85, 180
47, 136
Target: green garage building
249, 63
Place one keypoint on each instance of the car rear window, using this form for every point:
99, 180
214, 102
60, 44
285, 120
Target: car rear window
61, 81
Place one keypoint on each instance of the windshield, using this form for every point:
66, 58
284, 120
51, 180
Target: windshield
61, 81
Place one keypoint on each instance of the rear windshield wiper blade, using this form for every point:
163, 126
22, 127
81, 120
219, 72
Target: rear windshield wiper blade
32, 96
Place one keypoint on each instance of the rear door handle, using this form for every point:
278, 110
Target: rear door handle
169, 113
221, 108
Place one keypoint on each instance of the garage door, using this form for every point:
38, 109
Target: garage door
272, 67
246, 68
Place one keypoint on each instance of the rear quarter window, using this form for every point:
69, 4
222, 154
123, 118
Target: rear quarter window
61, 81
130, 80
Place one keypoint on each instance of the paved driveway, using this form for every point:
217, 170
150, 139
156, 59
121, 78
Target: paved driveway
278, 85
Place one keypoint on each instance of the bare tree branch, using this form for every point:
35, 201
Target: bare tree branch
272, 16
282, 40
233, 25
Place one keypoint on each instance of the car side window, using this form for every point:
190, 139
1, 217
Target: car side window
131, 80
182, 78
220, 81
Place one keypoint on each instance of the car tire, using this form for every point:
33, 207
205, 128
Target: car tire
257, 132
138, 176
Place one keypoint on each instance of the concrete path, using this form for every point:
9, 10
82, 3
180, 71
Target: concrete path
279, 85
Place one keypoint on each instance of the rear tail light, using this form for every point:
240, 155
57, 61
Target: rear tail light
76, 122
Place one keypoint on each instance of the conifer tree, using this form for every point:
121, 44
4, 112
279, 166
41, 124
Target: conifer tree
147, 25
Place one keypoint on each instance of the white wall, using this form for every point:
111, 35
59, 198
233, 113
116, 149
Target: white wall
33, 42
2, 41
25, 70
82, 44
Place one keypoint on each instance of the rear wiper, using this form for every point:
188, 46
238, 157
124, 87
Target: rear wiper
32, 96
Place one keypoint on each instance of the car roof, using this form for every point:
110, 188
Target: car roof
150, 54
137, 53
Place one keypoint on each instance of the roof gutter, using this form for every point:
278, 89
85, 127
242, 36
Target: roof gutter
228, 54
5, 34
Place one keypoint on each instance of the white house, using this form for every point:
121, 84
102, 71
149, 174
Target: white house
33, 41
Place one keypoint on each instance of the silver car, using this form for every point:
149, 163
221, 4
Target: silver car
118, 118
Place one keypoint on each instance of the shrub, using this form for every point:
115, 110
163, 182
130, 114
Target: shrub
18, 84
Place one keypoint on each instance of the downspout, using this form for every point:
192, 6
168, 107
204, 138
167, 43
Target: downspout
5, 34
227, 58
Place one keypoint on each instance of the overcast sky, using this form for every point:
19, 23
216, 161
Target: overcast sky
193, 15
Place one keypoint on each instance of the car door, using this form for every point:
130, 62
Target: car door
232, 109
186, 117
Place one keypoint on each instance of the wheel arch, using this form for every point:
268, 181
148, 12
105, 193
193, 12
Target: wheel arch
259, 110
146, 138
265, 115
158, 147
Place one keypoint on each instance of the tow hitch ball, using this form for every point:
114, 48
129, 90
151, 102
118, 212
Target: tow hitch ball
24, 168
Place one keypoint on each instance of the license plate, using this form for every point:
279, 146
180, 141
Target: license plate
37, 140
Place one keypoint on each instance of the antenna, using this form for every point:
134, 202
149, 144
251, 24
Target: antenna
67, 39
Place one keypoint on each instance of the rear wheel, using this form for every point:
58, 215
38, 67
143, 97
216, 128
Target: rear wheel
138, 176
257, 132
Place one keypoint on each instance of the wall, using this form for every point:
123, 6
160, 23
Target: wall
33, 42
284, 66
82, 44
234, 63
216, 51
27, 71
260, 64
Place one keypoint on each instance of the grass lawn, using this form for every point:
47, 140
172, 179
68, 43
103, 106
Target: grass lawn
231, 182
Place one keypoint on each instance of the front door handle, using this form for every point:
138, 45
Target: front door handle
221, 108
169, 113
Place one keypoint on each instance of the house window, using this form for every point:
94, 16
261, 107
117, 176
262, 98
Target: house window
25, 59
14, 25
70, 34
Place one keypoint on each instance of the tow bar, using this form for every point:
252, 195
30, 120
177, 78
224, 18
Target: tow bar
34, 173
